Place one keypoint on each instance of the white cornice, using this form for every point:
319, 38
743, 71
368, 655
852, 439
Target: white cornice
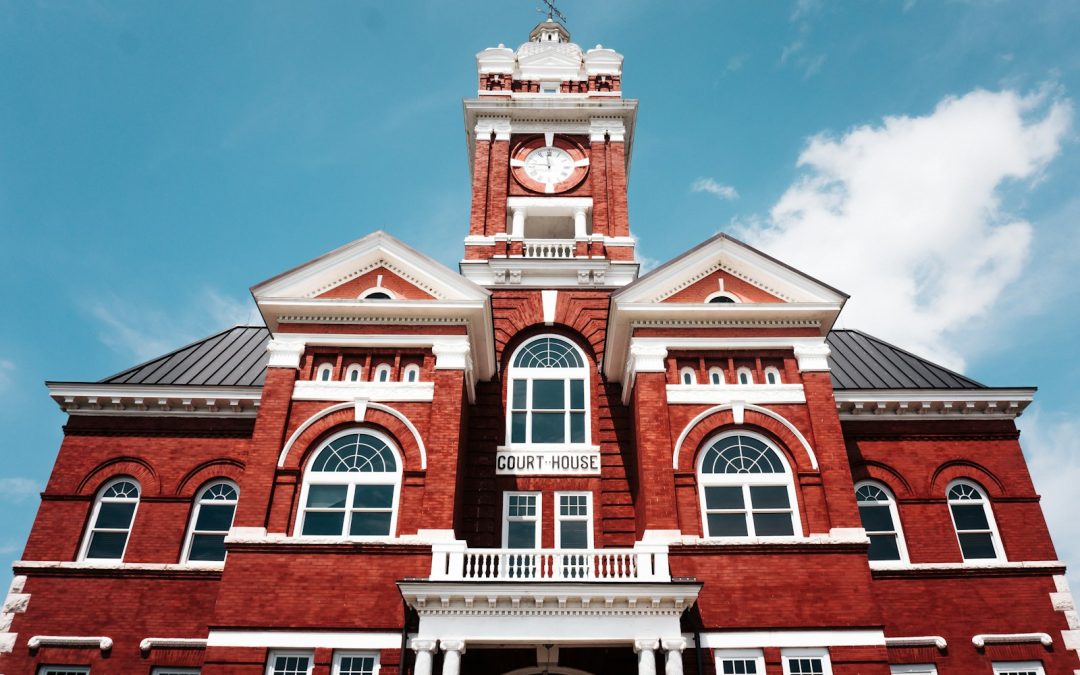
96, 398
549, 273
719, 394
372, 391
888, 404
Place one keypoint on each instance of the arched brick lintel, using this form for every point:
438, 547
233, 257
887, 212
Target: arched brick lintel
882, 473
713, 419
396, 424
137, 468
207, 471
962, 468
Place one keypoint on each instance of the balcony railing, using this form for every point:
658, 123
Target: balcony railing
550, 248
453, 562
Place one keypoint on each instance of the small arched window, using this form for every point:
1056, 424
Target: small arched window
351, 487
745, 375
325, 372
746, 488
721, 298
215, 506
772, 375
687, 376
548, 393
877, 509
973, 520
352, 373
376, 293
411, 373
716, 375
382, 373
110, 523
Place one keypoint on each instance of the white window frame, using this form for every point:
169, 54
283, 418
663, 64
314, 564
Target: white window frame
914, 669
354, 368
587, 518
719, 373
687, 373
274, 654
1002, 667
988, 510
169, 670
84, 549
898, 528
189, 537
49, 669
377, 289
377, 374
530, 375
722, 294
775, 372
746, 480
507, 518
338, 656
806, 653
411, 369
351, 479
755, 655
744, 371
324, 372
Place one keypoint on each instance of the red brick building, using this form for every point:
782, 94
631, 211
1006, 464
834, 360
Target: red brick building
543, 463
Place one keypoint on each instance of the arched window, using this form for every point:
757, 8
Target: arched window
325, 372
716, 375
382, 373
877, 508
110, 523
745, 375
687, 376
721, 298
772, 375
352, 373
411, 373
351, 487
215, 506
548, 393
746, 488
974, 521
376, 293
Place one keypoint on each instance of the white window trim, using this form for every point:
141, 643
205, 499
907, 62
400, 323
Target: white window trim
189, 535
338, 656
914, 669
901, 544
744, 371
756, 655
773, 370
539, 518
683, 372
90, 524
532, 374
169, 670
377, 289
351, 479
276, 653
411, 368
806, 653
328, 369
588, 518
354, 368
47, 670
382, 368
747, 480
722, 294
988, 509
1010, 666
716, 371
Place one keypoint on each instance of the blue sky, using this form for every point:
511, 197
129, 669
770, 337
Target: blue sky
157, 159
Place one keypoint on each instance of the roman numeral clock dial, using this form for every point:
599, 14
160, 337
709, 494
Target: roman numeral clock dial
549, 164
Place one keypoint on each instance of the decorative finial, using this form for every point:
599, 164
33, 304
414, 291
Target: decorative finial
552, 11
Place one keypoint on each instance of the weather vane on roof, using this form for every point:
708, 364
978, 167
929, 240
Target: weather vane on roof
552, 11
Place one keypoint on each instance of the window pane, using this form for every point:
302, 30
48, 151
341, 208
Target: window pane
370, 524
577, 394
107, 545
769, 497
876, 518
324, 523
517, 428
519, 395
357, 665
577, 427
548, 427
207, 547
114, 515
521, 535
327, 496
977, 546
884, 547
217, 517
806, 667
727, 525
548, 394
970, 517
574, 534
723, 498
739, 667
373, 497
773, 524
291, 665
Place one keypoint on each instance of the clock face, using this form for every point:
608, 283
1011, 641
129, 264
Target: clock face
549, 165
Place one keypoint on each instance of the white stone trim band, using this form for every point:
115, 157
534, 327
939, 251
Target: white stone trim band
71, 641
984, 639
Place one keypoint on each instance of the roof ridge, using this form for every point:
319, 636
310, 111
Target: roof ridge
166, 356
922, 359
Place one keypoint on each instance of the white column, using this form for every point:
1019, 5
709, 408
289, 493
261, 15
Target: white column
646, 656
579, 223
517, 228
452, 651
673, 658
423, 649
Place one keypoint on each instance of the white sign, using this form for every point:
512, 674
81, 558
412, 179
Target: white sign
547, 462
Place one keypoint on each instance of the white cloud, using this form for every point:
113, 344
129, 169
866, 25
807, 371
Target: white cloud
1052, 446
804, 8
734, 64
714, 188
907, 216
18, 489
7, 370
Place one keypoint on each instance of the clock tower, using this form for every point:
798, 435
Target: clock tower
549, 138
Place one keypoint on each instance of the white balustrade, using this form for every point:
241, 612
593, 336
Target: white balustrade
453, 562
550, 248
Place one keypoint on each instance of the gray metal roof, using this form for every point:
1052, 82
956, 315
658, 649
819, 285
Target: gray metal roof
232, 358
861, 361
237, 357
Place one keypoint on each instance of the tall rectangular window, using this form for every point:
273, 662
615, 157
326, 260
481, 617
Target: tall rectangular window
521, 521
573, 525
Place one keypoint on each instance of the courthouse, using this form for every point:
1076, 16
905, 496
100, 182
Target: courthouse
543, 462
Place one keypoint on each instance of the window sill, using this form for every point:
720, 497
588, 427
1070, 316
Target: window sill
548, 447
886, 569
118, 568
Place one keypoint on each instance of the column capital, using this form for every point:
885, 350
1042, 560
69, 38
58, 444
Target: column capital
452, 354
285, 353
646, 645
673, 644
422, 645
813, 357
452, 646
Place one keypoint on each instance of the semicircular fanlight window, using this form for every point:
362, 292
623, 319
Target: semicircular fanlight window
548, 352
355, 453
741, 454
